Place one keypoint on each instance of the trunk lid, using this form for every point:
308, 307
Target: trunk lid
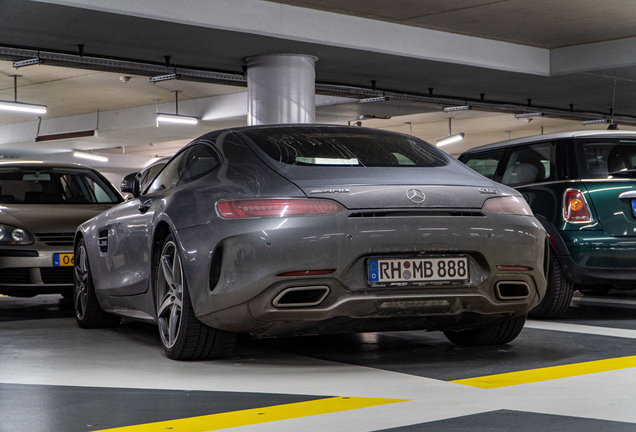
394, 188
613, 202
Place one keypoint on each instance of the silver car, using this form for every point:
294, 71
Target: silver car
41, 205
295, 230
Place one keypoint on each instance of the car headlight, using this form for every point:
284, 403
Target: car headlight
10, 235
511, 205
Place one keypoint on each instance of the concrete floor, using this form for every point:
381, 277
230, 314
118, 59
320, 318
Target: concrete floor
573, 374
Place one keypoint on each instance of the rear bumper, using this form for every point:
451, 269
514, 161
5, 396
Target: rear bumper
244, 298
594, 258
344, 311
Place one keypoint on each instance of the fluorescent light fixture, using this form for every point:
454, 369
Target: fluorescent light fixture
589, 122
28, 62
529, 115
451, 139
164, 77
375, 99
22, 107
66, 135
457, 108
91, 156
172, 118
20, 162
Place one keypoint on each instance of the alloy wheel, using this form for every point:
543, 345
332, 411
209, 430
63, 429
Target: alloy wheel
169, 294
81, 282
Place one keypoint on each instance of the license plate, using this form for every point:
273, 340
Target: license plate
634, 207
417, 271
63, 260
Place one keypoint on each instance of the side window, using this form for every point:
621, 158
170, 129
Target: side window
171, 174
530, 164
484, 163
201, 161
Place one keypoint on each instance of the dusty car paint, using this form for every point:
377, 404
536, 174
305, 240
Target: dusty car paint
379, 220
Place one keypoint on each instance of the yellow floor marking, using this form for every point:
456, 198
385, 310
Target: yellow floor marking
549, 373
258, 415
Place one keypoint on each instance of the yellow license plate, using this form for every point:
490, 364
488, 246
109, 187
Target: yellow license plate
63, 260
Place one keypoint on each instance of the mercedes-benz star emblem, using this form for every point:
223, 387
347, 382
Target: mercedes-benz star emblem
415, 195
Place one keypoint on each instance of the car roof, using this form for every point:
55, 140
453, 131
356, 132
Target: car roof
553, 136
41, 164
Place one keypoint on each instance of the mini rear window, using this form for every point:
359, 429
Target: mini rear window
607, 158
345, 147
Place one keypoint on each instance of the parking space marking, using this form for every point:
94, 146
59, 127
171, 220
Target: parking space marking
549, 373
259, 415
582, 329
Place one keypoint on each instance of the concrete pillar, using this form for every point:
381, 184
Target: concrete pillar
281, 89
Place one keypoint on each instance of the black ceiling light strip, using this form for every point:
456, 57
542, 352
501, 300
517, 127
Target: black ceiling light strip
145, 68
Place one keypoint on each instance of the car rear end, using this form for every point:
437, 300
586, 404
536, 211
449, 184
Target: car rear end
599, 213
390, 234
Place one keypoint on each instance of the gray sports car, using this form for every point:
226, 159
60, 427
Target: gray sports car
291, 230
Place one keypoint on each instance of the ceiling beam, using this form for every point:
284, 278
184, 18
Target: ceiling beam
272, 19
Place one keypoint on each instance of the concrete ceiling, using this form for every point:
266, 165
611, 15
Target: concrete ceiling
541, 23
555, 54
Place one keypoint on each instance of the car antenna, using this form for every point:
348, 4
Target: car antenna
613, 126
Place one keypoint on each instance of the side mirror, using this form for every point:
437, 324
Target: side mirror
131, 184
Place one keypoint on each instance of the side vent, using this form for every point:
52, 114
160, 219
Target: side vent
215, 267
102, 241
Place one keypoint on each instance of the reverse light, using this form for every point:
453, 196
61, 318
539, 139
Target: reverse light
276, 208
10, 235
511, 205
575, 207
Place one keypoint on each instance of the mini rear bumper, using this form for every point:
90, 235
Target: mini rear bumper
594, 258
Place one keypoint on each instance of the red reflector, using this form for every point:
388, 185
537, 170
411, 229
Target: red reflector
276, 208
307, 273
552, 241
512, 268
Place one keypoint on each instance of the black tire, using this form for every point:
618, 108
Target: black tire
182, 335
558, 294
594, 291
88, 313
499, 333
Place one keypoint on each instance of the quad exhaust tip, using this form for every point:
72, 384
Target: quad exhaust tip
512, 290
301, 296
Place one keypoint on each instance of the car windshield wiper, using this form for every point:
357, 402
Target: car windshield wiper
623, 173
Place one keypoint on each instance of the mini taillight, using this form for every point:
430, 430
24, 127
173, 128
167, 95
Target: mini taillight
575, 208
276, 208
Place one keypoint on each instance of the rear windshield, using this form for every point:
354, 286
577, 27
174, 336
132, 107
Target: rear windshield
345, 147
604, 158
54, 186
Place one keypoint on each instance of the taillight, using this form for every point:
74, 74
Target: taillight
276, 208
575, 208
512, 205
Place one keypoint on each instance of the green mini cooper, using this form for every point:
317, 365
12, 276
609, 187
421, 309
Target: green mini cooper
582, 188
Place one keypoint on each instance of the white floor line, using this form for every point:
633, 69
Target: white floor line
579, 328
596, 301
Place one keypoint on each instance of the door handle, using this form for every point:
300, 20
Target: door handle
145, 206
